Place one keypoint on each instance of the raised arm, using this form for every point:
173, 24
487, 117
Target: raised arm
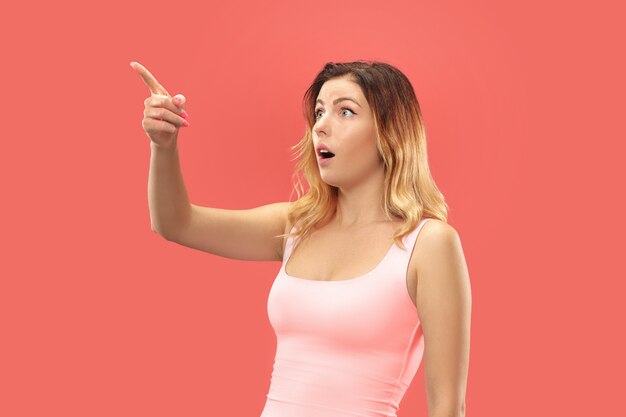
239, 234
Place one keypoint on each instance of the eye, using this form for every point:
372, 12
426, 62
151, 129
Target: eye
316, 113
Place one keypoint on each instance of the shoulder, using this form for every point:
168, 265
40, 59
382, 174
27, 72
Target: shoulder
284, 208
437, 232
438, 243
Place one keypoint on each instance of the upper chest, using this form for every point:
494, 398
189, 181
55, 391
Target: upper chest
335, 255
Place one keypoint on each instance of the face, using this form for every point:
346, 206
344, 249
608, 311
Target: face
347, 129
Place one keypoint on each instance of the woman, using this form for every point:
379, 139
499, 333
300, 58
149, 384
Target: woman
359, 299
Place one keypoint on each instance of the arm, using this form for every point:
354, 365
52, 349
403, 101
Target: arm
237, 234
240, 234
167, 195
444, 306
248, 234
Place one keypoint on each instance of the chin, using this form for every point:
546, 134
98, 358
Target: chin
328, 181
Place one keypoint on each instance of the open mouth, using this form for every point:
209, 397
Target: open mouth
324, 154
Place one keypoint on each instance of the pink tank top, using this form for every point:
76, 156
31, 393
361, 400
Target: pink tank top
344, 348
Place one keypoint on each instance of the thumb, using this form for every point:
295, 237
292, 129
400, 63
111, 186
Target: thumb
179, 101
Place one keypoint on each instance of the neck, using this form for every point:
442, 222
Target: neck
360, 205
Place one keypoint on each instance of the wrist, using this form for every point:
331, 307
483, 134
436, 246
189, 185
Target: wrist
170, 147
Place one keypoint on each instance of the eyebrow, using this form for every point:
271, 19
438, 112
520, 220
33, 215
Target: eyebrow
339, 99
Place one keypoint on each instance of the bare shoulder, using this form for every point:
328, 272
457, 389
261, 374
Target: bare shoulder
437, 242
436, 230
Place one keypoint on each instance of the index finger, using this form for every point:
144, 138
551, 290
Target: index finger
149, 80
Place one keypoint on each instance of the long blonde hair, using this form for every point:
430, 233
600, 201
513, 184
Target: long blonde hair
410, 192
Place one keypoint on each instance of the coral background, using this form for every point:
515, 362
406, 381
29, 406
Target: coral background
99, 316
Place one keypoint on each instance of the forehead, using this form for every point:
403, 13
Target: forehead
340, 87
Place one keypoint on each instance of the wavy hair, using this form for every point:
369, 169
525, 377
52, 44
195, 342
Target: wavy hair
410, 192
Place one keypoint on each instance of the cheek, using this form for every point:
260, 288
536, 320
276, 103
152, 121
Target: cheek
367, 142
358, 141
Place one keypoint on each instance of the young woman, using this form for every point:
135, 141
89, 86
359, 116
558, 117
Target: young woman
373, 278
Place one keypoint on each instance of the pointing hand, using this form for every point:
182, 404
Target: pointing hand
163, 114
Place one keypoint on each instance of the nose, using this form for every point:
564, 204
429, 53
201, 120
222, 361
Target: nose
320, 126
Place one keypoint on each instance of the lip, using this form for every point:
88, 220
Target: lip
324, 161
319, 147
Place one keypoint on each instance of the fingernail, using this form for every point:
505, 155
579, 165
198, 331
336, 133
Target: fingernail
184, 114
185, 123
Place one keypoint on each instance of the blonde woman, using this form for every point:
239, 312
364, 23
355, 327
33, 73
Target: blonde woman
373, 278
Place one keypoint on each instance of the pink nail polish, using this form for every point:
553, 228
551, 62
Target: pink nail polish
184, 114
185, 123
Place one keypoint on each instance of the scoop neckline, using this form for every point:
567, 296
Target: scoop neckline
358, 277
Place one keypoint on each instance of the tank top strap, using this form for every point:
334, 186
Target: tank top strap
410, 239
